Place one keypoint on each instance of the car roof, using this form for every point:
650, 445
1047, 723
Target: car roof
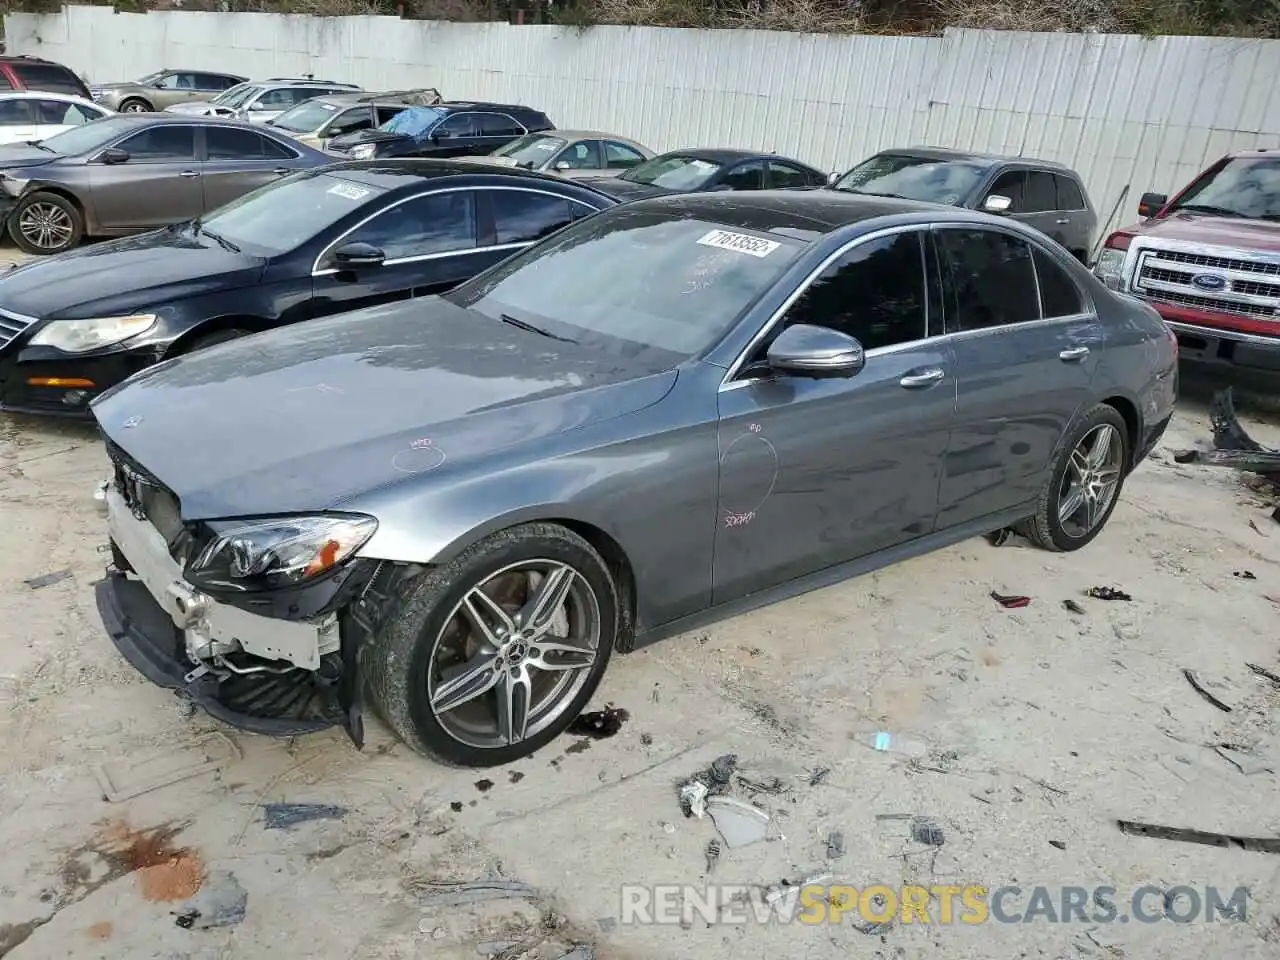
1259, 152
42, 95
389, 97
970, 156
484, 105
216, 73
583, 135
389, 173
818, 211
152, 119
730, 155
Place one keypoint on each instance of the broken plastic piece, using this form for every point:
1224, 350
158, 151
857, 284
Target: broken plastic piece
48, 579
1073, 607
282, 816
835, 845
1244, 762
740, 824
1186, 456
1011, 602
998, 538
1107, 593
221, 902
124, 779
884, 742
599, 724
693, 798
1264, 672
1244, 574
713, 854
926, 831
1200, 689
777, 891
1158, 832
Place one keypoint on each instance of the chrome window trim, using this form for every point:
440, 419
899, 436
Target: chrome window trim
317, 271
1090, 311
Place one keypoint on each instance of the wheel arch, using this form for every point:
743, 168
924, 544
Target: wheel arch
231, 321
1128, 411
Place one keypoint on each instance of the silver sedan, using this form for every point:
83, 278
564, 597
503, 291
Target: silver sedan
570, 153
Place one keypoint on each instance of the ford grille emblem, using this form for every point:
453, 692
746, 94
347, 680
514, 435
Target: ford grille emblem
1209, 281
131, 422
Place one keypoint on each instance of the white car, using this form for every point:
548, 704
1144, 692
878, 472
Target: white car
34, 115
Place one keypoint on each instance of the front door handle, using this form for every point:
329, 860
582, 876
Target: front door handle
922, 378
189, 173
1063, 220
1073, 354
280, 171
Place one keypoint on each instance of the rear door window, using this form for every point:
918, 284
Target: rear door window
498, 125
1059, 295
783, 176
618, 156
59, 113
161, 143
521, 216
48, 76
745, 176
992, 279
1069, 195
15, 113
1042, 194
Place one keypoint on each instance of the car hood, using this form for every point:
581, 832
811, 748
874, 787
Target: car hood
14, 155
1202, 228
491, 160
348, 140
123, 274
199, 109
309, 416
625, 190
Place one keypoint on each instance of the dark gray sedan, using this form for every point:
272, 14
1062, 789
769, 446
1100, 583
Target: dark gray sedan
126, 174
672, 411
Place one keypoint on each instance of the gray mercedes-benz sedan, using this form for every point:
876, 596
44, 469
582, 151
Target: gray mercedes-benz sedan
668, 412
130, 173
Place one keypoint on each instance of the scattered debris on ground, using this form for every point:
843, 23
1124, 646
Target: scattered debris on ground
48, 579
926, 831
1072, 607
1181, 834
221, 902
1059, 844
835, 845
1245, 762
475, 891
713, 854
284, 816
1264, 672
1010, 601
1200, 689
599, 724
740, 824
1244, 574
1107, 593
125, 779
998, 538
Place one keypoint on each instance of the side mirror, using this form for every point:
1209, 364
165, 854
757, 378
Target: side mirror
997, 204
1151, 204
256, 106
833, 178
562, 165
807, 351
351, 256
114, 155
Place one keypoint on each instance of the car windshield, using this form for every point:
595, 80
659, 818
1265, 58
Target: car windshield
150, 78
413, 121
278, 217
1240, 187
92, 136
647, 285
236, 95
673, 172
913, 178
306, 117
531, 151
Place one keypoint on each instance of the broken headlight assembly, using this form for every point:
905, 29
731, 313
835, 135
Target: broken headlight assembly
273, 552
80, 336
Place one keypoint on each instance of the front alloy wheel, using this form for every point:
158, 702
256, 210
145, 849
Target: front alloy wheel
488, 657
46, 223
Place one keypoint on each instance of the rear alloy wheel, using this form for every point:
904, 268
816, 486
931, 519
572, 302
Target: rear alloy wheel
134, 105
46, 223
1084, 484
489, 657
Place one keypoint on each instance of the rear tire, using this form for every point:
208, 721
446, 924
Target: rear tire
1084, 484
430, 655
46, 223
136, 105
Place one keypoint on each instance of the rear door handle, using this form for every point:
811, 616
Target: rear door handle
280, 171
922, 378
1073, 354
189, 173
1063, 220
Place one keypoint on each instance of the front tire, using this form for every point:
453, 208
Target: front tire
136, 105
215, 338
46, 223
1084, 484
487, 658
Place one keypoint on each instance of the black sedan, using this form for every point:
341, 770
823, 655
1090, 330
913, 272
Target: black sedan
699, 171
315, 243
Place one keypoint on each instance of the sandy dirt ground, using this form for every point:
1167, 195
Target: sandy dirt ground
1024, 734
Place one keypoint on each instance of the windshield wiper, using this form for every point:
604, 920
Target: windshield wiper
524, 325
1210, 209
40, 144
217, 238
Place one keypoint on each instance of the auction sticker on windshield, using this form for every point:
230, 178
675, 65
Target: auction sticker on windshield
349, 190
741, 242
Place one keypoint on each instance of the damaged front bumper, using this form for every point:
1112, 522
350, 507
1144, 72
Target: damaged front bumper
266, 674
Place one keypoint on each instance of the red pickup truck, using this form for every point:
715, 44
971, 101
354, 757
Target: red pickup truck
1209, 261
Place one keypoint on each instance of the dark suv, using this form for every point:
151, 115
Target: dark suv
33, 73
451, 129
1040, 193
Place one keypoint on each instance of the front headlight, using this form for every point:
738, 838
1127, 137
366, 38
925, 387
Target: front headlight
263, 554
79, 336
1110, 267
363, 151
